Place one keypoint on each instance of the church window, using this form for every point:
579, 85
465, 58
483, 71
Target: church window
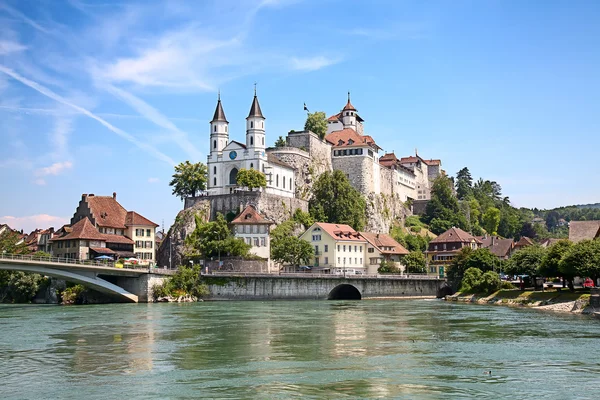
263, 141
225, 128
215, 170
215, 181
251, 140
283, 182
290, 183
233, 176
215, 128
251, 165
262, 124
215, 144
251, 124
276, 180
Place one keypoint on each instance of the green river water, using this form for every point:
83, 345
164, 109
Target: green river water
413, 349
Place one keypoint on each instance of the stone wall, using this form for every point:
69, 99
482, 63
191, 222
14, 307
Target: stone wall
238, 265
388, 178
359, 170
283, 287
383, 212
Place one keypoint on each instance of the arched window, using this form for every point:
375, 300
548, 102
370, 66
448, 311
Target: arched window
276, 180
251, 140
215, 170
262, 124
215, 144
233, 176
251, 124
251, 165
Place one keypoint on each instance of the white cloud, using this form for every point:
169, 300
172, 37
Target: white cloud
54, 169
49, 93
7, 47
31, 222
311, 63
153, 180
24, 18
40, 182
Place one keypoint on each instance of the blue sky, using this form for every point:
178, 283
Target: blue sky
105, 96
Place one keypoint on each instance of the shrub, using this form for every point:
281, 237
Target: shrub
74, 295
507, 285
470, 280
490, 282
388, 267
474, 281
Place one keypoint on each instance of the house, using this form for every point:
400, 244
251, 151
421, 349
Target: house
44, 240
101, 226
443, 249
382, 247
500, 247
581, 230
4, 228
562, 222
523, 242
254, 229
339, 249
32, 240
549, 242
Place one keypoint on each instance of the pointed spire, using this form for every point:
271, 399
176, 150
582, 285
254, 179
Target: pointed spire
349, 105
255, 109
219, 113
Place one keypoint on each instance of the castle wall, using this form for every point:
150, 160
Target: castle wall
359, 170
387, 180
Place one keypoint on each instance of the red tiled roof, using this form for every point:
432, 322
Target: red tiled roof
335, 117
347, 134
134, 218
455, 235
524, 242
433, 162
83, 229
348, 106
250, 216
381, 240
102, 250
116, 239
107, 211
410, 159
498, 246
340, 232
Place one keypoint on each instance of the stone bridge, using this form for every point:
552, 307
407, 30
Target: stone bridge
236, 286
122, 284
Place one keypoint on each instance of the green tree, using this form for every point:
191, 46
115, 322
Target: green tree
443, 211
280, 142
470, 280
491, 220
251, 178
316, 122
189, 179
388, 267
210, 239
291, 250
482, 259
526, 261
303, 218
414, 262
582, 259
464, 183
550, 266
336, 201
8, 243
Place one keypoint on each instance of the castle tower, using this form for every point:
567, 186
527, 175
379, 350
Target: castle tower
255, 127
349, 115
219, 130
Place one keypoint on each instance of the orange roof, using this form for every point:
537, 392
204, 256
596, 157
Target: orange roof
102, 250
83, 229
349, 137
524, 242
433, 162
381, 241
348, 106
411, 159
335, 117
453, 235
116, 239
250, 216
340, 232
134, 218
107, 211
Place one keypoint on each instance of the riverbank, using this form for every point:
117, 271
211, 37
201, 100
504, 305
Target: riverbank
549, 300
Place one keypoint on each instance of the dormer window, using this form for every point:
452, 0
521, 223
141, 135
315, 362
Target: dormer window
350, 141
340, 142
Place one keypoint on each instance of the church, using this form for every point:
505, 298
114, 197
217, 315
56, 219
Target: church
227, 157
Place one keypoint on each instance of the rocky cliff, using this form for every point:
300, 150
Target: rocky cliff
383, 212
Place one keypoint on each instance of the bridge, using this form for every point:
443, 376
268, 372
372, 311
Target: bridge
124, 284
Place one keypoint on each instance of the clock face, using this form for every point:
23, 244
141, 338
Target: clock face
232, 155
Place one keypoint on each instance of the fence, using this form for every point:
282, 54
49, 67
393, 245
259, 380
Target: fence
59, 260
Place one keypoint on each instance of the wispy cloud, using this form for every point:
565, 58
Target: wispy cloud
54, 169
30, 222
49, 93
407, 31
312, 63
8, 46
17, 14
153, 180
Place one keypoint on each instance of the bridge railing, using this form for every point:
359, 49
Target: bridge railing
61, 260
319, 275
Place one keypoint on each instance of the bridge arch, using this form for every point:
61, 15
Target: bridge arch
88, 279
344, 292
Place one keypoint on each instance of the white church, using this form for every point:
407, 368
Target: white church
228, 157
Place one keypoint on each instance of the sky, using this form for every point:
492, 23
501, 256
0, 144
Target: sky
107, 96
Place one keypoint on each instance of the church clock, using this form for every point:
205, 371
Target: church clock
232, 155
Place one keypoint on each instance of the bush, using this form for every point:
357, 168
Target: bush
186, 281
507, 285
388, 267
470, 280
474, 281
490, 282
74, 295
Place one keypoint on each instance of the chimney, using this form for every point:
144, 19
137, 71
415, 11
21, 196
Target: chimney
114, 195
83, 196
493, 240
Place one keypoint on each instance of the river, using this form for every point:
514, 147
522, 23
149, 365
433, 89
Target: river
414, 349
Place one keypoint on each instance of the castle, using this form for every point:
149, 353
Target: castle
291, 169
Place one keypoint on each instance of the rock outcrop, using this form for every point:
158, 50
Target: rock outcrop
383, 212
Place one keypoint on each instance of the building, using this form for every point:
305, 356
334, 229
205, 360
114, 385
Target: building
582, 230
44, 240
522, 243
254, 229
382, 247
101, 226
500, 247
443, 249
549, 242
227, 157
339, 249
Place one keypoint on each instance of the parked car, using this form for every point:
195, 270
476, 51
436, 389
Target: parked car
588, 283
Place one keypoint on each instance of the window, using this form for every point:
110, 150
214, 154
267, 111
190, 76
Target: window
350, 249
263, 141
249, 241
326, 249
251, 165
262, 242
316, 249
361, 249
254, 228
344, 260
251, 140
256, 242
276, 180
283, 182
251, 124
290, 183
371, 250
316, 238
68, 243
316, 261
344, 249
214, 170
149, 244
361, 261
326, 260
215, 128
233, 176
355, 260
338, 260
225, 128
148, 232
215, 181
355, 247
338, 248
214, 144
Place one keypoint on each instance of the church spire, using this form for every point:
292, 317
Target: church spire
255, 110
219, 113
349, 106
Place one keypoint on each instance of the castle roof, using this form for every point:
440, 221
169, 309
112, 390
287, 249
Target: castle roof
338, 117
432, 162
348, 106
391, 161
219, 113
348, 137
384, 243
250, 216
255, 109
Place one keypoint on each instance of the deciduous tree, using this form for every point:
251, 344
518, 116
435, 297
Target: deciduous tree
316, 122
210, 239
251, 178
414, 262
189, 179
491, 220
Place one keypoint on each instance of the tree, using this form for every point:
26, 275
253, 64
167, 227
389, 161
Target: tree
291, 250
388, 267
443, 208
526, 261
316, 122
464, 183
550, 266
528, 230
482, 259
214, 238
251, 178
414, 262
8, 243
491, 220
552, 220
280, 142
336, 201
582, 259
303, 218
189, 179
